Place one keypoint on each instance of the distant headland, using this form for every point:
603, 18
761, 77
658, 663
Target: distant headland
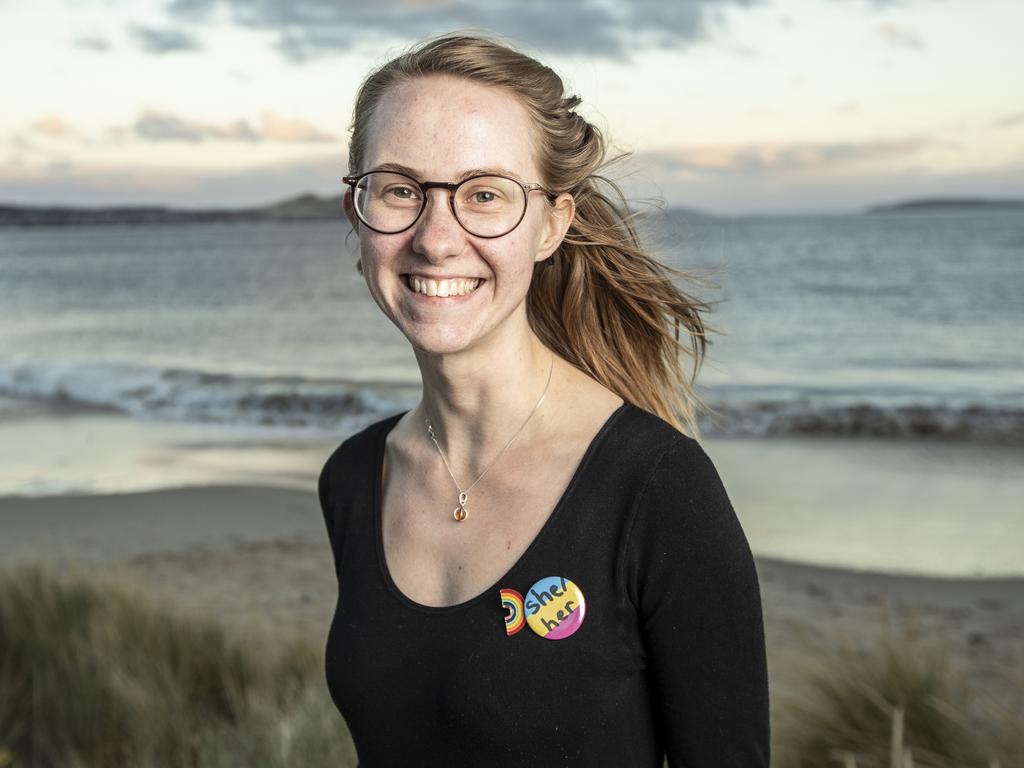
302, 208
310, 207
948, 203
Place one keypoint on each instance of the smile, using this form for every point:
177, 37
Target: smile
447, 289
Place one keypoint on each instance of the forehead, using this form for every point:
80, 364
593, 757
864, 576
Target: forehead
441, 126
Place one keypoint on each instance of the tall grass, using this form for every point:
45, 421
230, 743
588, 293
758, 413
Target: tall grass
95, 675
898, 704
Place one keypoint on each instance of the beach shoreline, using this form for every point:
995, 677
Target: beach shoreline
855, 502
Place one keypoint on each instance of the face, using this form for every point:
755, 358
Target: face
441, 128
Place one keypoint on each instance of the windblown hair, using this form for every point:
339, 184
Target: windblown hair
601, 301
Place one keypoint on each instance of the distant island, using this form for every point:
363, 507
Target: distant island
947, 203
310, 207
306, 207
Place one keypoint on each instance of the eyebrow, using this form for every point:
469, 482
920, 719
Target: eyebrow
494, 170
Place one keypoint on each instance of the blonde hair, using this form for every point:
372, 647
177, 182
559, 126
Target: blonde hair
601, 302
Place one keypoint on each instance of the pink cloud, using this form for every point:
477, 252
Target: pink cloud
155, 125
53, 127
900, 37
279, 128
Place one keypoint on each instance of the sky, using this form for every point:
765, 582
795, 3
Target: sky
726, 106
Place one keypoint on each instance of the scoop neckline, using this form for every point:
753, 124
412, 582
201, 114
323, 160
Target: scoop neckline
377, 482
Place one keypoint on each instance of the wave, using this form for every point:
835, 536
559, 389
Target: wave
294, 403
176, 394
974, 422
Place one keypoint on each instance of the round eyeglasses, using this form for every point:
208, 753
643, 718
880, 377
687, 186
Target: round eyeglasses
486, 206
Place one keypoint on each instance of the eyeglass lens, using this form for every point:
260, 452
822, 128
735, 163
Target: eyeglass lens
487, 206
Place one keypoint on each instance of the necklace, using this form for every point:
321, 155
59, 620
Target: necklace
460, 513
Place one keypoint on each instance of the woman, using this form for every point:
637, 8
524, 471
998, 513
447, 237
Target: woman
536, 566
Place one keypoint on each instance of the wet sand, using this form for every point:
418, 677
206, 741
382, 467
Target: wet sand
923, 507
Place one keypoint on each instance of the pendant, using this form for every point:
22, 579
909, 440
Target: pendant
460, 513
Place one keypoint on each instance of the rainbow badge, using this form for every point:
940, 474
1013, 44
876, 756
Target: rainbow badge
512, 602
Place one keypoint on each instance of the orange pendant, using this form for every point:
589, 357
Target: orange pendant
460, 513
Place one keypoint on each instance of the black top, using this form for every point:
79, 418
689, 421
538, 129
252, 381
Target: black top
669, 657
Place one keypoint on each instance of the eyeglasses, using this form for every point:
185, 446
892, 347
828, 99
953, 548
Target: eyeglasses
486, 206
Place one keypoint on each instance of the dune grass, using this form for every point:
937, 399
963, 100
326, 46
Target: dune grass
96, 675
899, 704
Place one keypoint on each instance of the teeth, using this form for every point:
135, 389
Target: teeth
443, 288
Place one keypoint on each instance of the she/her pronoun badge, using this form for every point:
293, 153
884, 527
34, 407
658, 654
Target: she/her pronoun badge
554, 608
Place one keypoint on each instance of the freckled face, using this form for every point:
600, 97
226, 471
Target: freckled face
442, 127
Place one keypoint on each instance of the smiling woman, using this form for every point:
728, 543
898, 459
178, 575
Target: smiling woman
547, 341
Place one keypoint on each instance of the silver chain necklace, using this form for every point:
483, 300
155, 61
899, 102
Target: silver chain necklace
460, 513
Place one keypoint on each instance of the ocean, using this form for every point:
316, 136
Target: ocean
901, 331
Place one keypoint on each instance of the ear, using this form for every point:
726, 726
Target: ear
350, 210
556, 225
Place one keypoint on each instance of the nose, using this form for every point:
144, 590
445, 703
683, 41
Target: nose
438, 233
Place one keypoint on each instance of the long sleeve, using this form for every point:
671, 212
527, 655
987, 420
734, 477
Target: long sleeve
691, 577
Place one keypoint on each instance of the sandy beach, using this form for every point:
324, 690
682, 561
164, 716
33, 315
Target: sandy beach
257, 558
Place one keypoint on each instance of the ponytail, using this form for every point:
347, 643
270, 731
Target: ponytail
615, 313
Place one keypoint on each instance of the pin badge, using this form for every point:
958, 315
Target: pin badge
554, 608
512, 602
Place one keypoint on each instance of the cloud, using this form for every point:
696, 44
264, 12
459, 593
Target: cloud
900, 37
53, 127
1009, 121
92, 43
279, 128
22, 148
168, 40
791, 157
25, 153
137, 184
838, 192
312, 28
154, 125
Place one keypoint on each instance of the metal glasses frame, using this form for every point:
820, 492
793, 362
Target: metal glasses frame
451, 187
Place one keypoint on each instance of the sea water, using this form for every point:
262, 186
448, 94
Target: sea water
903, 331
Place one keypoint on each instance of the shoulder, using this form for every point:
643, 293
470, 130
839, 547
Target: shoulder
639, 437
683, 526
683, 493
667, 474
669, 461
360, 445
653, 452
355, 454
684, 473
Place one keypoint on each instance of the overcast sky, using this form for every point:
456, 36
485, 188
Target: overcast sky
730, 106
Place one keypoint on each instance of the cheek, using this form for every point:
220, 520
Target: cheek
378, 253
376, 270
521, 252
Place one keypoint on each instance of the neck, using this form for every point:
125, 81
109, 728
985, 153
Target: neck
479, 398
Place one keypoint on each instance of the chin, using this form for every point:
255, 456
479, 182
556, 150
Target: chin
441, 341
